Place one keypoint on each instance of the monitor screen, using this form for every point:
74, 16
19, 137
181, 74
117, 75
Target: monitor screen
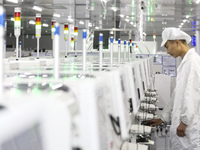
96, 39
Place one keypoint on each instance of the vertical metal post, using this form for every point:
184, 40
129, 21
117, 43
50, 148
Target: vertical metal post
20, 49
56, 53
124, 51
2, 33
17, 47
38, 47
100, 50
129, 48
111, 51
119, 50
133, 52
84, 49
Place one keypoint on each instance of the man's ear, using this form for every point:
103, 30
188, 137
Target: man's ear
177, 42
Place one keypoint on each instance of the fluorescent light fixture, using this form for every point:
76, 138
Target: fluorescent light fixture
31, 22
54, 87
127, 16
56, 15
184, 20
12, 1
187, 16
12, 19
89, 24
197, 2
182, 23
81, 22
114, 8
37, 8
96, 27
70, 18
180, 26
45, 25
131, 23
127, 20
134, 25
121, 15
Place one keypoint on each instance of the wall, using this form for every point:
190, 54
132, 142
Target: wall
30, 43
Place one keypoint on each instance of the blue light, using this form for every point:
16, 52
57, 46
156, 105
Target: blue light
57, 30
84, 34
193, 43
101, 38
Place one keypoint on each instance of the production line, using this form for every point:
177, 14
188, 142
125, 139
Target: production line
77, 102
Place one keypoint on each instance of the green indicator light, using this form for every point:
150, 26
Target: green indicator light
36, 91
65, 78
50, 84
151, 9
66, 71
18, 78
18, 92
51, 92
92, 4
52, 78
74, 77
38, 78
149, 18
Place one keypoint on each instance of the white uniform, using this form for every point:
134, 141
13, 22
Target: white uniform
185, 104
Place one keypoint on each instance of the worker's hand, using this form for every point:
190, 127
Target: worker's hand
153, 122
181, 129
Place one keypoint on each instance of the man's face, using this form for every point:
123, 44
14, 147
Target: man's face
172, 48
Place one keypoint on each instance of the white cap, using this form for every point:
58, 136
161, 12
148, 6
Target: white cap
174, 34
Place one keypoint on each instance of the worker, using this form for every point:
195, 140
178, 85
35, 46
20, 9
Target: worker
183, 109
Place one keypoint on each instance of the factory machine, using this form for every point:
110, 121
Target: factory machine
79, 102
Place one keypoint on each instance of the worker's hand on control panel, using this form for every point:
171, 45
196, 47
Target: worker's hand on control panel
153, 122
181, 129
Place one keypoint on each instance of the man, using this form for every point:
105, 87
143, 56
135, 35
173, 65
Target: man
183, 109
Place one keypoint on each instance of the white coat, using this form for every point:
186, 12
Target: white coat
185, 104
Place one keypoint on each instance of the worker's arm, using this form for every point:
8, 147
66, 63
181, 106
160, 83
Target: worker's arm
165, 116
191, 95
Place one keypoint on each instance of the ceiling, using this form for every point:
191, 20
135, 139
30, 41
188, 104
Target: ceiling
158, 14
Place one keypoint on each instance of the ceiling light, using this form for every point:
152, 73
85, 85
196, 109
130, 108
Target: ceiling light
127, 16
31, 22
180, 26
131, 23
12, 19
89, 24
114, 8
81, 22
96, 27
12, 1
37, 8
121, 15
56, 15
127, 20
184, 20
134, 25
70, 18
182, 23
187, 16
197, 1
45, 25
